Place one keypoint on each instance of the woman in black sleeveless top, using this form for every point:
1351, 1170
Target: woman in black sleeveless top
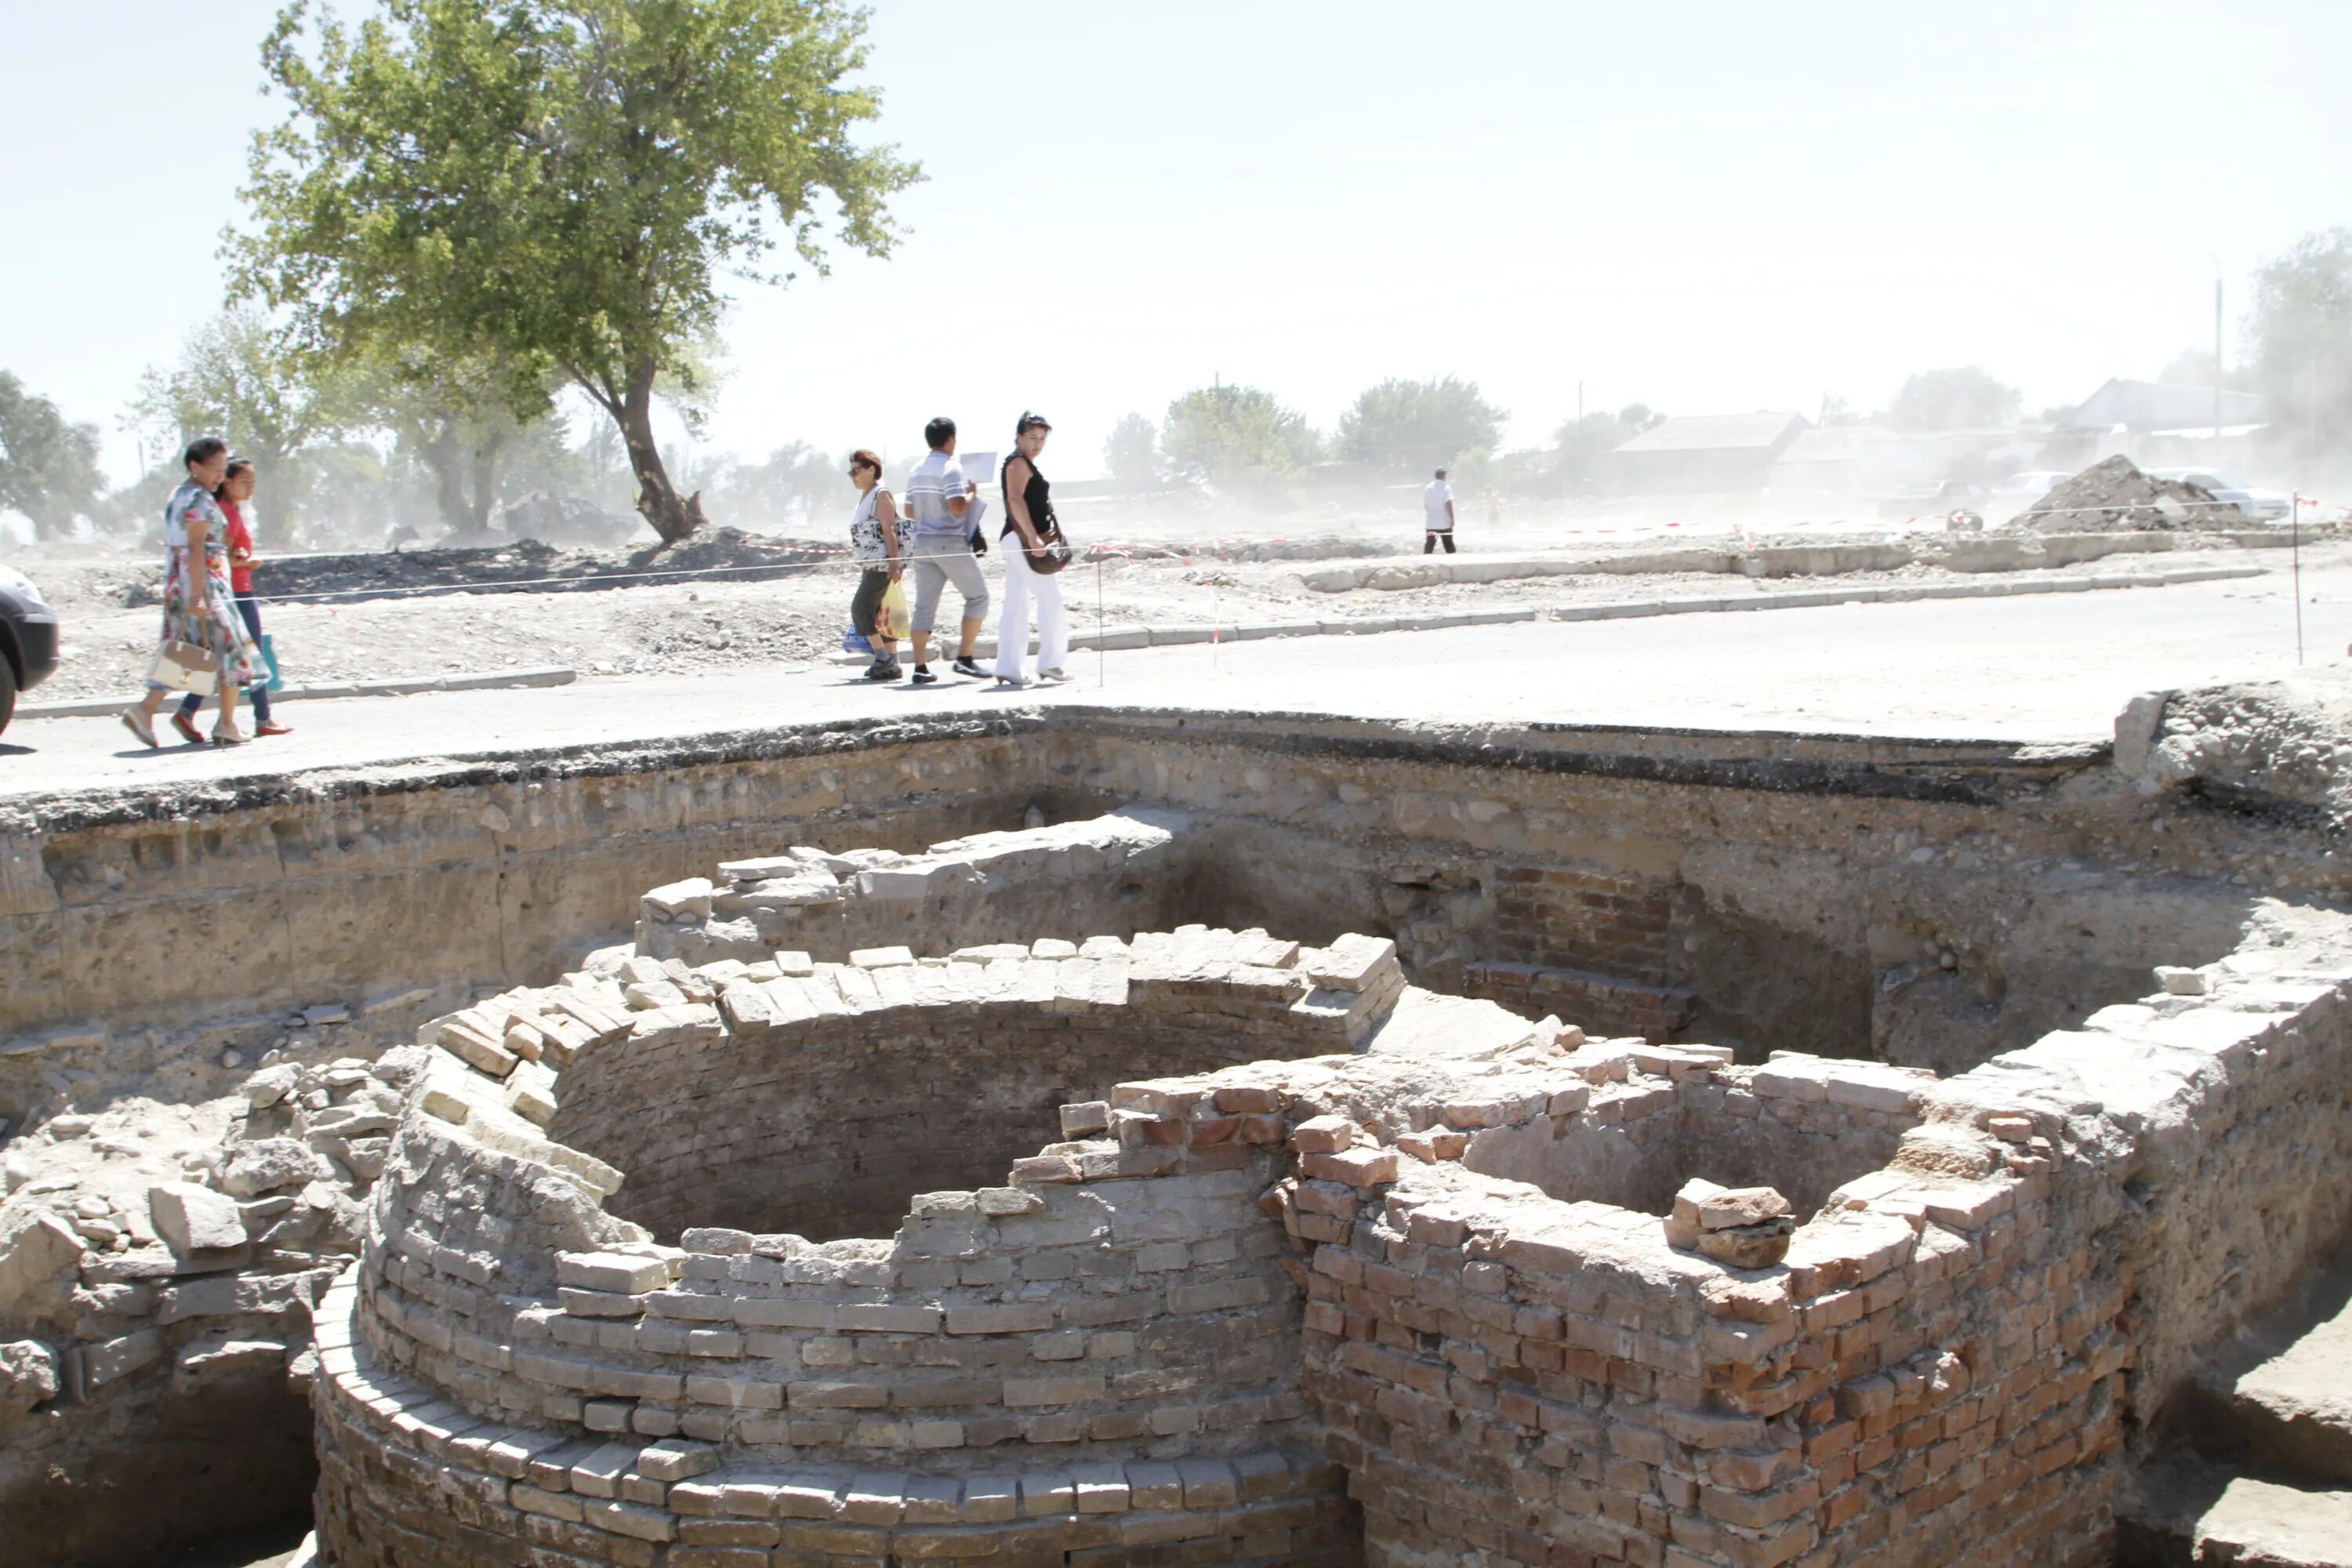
1029, 514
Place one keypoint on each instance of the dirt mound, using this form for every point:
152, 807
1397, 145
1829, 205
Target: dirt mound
2113, 494
526, 564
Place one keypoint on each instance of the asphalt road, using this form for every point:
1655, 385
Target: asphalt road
2053, 667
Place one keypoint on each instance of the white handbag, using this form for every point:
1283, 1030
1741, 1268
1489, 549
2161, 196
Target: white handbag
185, 666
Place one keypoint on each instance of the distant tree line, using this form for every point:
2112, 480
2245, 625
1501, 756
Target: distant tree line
1244, 440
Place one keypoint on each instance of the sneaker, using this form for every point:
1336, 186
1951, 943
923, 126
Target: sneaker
966, 665
925, 675
878, 670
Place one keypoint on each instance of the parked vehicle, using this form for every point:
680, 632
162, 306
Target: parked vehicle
2258, 505
28, 639
1939, 500
2018, 491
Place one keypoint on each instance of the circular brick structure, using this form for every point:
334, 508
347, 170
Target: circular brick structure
1077, 1365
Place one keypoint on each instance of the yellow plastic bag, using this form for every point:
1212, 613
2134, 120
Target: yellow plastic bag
890, 619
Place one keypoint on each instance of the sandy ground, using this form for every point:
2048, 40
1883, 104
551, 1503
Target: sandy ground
671, 626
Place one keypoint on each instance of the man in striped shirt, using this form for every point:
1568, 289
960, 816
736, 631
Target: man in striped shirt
939, 546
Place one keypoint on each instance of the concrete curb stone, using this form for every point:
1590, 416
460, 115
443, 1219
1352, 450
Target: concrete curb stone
493, 680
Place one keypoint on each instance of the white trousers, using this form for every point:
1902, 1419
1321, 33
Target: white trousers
1021, 585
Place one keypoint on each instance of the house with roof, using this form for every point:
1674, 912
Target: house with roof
1866, 459
1704, 452
2156, 422
2160, 408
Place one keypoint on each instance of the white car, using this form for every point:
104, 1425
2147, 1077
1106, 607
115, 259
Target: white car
2258, 505
2019, 492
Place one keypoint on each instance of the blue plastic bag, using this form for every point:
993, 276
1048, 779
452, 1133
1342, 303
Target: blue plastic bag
851, 643
277, 682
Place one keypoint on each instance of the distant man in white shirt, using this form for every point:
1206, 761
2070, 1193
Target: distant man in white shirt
939, 546
1437, 507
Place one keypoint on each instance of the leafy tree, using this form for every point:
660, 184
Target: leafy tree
1582, 445
1132, 451
541, 460
48, 465
2300, 343
561, 183
449, 419
239, 378
1402, 426
795, 477
1236, 436
1961, 398
1639, 416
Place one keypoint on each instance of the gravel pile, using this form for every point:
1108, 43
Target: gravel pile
2112, 495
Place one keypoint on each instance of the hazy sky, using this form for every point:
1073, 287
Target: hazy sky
1709, 208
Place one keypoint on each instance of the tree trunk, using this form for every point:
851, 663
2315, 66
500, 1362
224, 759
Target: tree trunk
658, 499
440, 451
485, 479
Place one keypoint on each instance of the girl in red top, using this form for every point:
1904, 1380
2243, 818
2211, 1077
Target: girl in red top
236, 488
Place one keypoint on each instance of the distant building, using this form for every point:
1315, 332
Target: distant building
1711, 453
2157, 424
1841, 459
1874, 460
2152, 406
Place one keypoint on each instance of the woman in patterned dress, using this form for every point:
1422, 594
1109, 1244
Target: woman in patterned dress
197, 605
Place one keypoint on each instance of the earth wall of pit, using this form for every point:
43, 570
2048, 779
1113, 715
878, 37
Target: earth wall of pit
1924, 903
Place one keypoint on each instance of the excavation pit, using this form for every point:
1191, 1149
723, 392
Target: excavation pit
1888, 979
1378, 1250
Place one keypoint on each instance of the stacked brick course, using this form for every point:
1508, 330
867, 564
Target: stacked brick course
1105, 873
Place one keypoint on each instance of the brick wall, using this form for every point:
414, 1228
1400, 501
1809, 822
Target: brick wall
1563, 917
1936, 1366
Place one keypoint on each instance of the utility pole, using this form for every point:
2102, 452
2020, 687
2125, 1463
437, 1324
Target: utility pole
2217, 363
1578, 464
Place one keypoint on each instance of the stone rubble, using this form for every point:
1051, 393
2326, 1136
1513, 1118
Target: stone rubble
170, 1255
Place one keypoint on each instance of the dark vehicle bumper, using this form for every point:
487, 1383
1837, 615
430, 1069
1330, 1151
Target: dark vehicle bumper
35, 636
